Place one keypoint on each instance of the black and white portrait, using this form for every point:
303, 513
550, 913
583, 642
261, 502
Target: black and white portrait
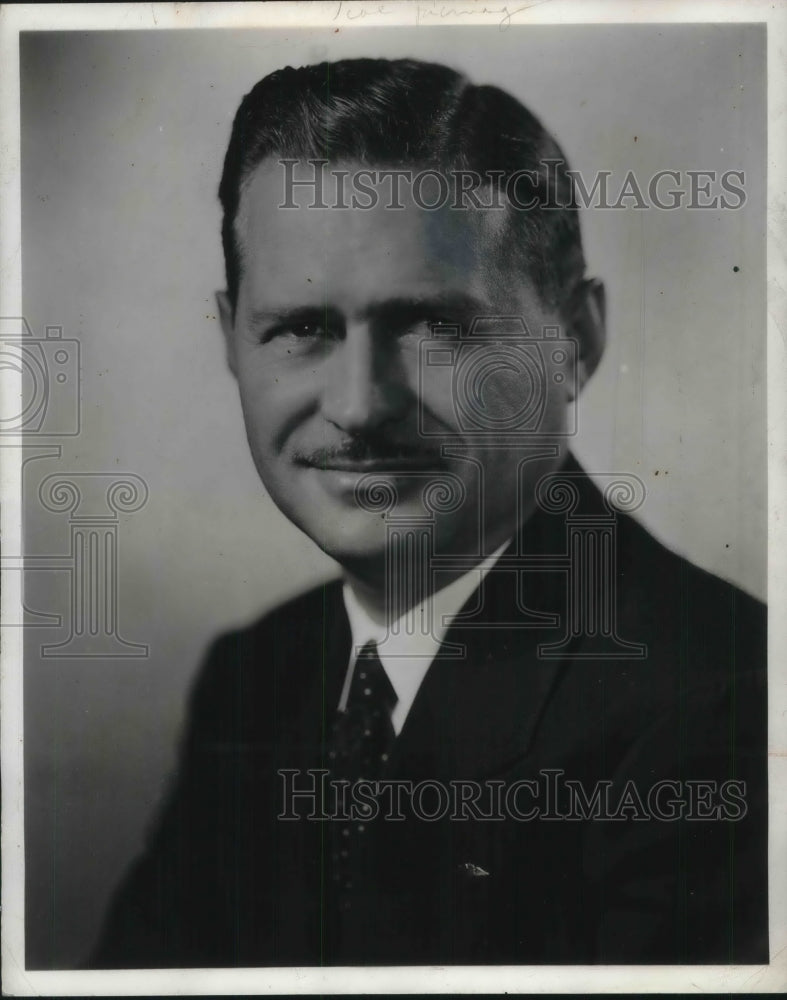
392, 445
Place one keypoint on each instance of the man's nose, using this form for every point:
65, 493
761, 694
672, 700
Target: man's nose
365, 387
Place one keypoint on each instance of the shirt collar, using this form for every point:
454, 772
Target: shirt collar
406, 651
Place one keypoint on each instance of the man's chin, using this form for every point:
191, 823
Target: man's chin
348, 514
330, 515
351, 545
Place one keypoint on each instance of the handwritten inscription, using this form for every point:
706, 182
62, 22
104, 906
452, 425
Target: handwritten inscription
425, 13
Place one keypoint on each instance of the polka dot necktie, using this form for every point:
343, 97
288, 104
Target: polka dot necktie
358, 748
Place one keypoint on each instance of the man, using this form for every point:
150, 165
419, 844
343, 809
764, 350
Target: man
519, 730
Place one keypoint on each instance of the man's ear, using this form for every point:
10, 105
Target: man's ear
227, 321
586, 321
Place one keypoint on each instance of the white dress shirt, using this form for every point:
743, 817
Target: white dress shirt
406, 653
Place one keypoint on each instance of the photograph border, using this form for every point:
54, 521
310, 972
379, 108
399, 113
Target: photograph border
353, 14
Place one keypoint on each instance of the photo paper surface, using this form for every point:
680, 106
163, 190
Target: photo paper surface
389, 419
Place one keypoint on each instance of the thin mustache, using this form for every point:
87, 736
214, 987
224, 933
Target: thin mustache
365, 451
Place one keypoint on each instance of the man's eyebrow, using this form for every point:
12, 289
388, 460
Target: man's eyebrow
296, 314
459, 304
451, 303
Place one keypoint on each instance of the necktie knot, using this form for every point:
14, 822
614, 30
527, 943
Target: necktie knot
363, 733
370, 687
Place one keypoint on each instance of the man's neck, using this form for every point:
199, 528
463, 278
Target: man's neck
372, 593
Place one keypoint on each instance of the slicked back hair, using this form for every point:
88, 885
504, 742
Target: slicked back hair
407, 113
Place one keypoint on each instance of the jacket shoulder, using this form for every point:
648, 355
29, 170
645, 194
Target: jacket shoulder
700, 689
302, 612
678, 600
264, 665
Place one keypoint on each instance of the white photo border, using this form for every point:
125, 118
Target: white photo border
352, 14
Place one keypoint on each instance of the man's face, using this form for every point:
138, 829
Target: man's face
332, 310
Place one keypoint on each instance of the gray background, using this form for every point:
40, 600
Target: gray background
123, 136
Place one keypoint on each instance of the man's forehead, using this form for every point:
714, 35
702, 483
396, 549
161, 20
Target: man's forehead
324, 221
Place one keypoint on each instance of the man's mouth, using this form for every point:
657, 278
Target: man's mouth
390, 465
362, 459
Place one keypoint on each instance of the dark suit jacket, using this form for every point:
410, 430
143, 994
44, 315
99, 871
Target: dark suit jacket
223, 882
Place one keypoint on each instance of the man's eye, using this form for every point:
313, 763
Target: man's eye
304, 330
442, 324
301, 331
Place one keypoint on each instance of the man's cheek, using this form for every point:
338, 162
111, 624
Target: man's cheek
436, 397
265, 391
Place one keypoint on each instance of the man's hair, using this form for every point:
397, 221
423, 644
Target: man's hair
404, 112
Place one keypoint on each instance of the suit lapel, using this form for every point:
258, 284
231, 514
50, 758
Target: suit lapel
313, 664
477, 715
